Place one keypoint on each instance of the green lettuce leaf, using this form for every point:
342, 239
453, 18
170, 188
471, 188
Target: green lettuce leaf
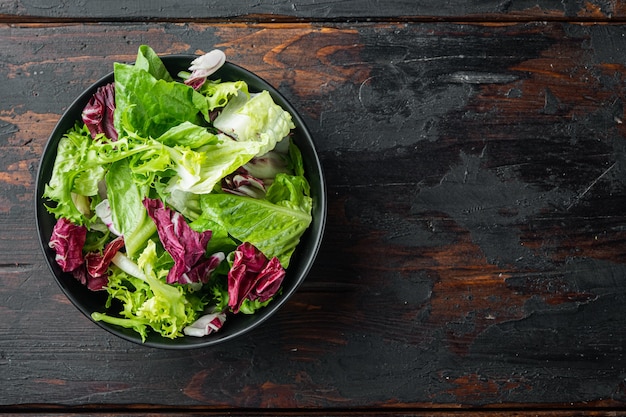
151, 106
199, 171
290, 191
256, 118
251, 307
189, 135
150, 62
274, 227
132, 292
168, 311
219, 93
150, 302
129, 214
73, 174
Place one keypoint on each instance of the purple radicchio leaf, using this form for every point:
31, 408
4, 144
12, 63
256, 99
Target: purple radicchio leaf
244, 184
68, 240
97, 264
205, 325
201, 271
268, 281
252, 276
98, 113
186, 246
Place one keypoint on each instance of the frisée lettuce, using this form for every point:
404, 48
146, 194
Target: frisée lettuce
156, 178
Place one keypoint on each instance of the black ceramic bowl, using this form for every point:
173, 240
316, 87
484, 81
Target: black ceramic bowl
302, 260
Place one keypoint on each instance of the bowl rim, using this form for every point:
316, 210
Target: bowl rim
314, 233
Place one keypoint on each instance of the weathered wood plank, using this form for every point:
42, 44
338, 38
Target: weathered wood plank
352, 10
475, 241
148, 411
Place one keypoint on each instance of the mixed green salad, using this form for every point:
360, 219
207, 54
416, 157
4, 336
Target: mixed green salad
181, 196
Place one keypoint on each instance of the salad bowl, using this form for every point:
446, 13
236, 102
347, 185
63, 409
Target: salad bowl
89, 302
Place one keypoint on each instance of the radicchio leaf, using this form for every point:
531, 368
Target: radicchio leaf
252, 276
186, 246
242, 183
98, 113
268, 281
68, 240
205, 325
201, 271
97, 264
204, 66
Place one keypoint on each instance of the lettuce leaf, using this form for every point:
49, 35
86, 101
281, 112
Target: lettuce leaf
150, 62
73, 173
151, 106
255, 117
129, 215
218, 93
189, 135
150, 302
273, 226
184, 169
168, 310
199, 171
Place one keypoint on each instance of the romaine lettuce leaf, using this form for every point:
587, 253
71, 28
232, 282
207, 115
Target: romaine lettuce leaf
129, 215
189, 135
274, 227
150, 62
152, 106
291, 191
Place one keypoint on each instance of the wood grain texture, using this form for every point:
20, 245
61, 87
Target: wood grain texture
149, 411
309, 10
474, 253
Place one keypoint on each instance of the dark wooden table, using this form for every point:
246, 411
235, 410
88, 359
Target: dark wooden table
474, 261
